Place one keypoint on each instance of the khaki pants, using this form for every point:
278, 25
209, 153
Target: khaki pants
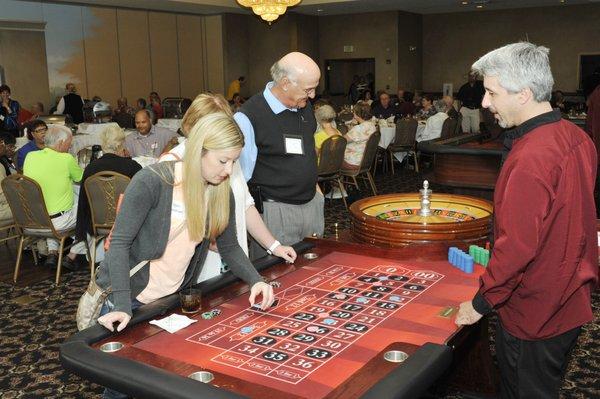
291, 223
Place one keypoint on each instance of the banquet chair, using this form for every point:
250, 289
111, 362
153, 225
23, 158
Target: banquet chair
330, 163
458, 129
364, 171
406, 131
448, 128
32, 221
103, 190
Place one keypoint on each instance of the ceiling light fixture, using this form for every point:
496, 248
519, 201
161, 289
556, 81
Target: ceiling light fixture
268, 10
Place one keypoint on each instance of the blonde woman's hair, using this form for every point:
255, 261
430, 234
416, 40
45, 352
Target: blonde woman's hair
203, 104
112, 138
208, 218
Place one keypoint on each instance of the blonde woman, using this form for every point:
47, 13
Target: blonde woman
247, 218
112, 160
170, 213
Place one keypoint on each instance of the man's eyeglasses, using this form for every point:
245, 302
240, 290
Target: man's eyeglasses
307, 91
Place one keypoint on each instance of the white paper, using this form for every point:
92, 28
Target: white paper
293, 146
173, 323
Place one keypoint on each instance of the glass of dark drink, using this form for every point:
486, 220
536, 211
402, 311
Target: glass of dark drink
191, 300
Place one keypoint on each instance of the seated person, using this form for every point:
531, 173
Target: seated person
384, 108
325, 116
558, 102
237, 102
452, 112
406, 107
427, 108
434, 124
357, 136
367, 97
6, 141
10, 144
124, 115
150, 140
55, 170
247, 218
112, 160
36, 131
9, 112
26, 115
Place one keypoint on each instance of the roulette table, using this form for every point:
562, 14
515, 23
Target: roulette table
350, 321
396, 220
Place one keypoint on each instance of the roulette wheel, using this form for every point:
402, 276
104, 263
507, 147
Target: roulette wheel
394, 220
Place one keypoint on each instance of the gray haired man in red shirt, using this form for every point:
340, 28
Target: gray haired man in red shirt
544, 264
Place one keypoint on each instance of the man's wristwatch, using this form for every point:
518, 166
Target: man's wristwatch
273, 247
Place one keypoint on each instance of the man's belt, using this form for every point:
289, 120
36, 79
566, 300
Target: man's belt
54, 216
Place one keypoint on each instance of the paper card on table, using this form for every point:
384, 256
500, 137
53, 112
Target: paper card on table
173, 323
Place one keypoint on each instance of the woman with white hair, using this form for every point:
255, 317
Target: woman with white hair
112, 160
325, 116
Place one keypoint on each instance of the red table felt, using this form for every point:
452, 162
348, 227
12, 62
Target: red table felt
325, 300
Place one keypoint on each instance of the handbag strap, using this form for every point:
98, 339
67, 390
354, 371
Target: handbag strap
137, 268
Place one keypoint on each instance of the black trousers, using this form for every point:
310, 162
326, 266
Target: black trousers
532, 369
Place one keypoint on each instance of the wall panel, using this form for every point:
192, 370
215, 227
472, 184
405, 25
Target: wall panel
164, 53
134, 53
101, 53
191, 69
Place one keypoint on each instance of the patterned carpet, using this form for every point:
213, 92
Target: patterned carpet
30, 334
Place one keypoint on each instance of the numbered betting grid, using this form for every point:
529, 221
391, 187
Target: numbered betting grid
314, 320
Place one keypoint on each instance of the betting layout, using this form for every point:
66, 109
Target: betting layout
314, 321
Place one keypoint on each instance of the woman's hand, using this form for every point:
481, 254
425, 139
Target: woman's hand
287, 253
108, 319
267, 294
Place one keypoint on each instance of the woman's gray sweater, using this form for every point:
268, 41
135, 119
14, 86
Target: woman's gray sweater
141, 232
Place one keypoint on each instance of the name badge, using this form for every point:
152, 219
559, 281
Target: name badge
154, 145
293, 144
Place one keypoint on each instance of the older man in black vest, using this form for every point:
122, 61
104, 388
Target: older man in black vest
278, 159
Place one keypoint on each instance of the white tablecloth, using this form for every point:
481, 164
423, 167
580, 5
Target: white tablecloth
94, 128
21, 141
171, 124
387, 136
420, 129
81, 141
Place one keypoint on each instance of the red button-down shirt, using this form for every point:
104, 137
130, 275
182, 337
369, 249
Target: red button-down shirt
544, 263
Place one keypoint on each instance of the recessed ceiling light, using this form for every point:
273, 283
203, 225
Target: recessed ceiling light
319, 10
479, 6
464, 3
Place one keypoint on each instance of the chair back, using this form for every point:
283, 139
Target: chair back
448, 128
103, 190
332, 156
458, 129
406, 131
26, 201
370, 152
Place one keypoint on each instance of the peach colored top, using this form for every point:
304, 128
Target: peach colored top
167, 273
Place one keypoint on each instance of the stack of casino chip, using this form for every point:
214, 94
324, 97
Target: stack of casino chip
460, 259
479, 254
211, 313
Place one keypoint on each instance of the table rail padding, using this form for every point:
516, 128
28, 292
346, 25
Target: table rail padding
78, 357
412, 378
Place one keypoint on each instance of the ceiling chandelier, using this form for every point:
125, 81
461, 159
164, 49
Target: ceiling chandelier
269, 10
